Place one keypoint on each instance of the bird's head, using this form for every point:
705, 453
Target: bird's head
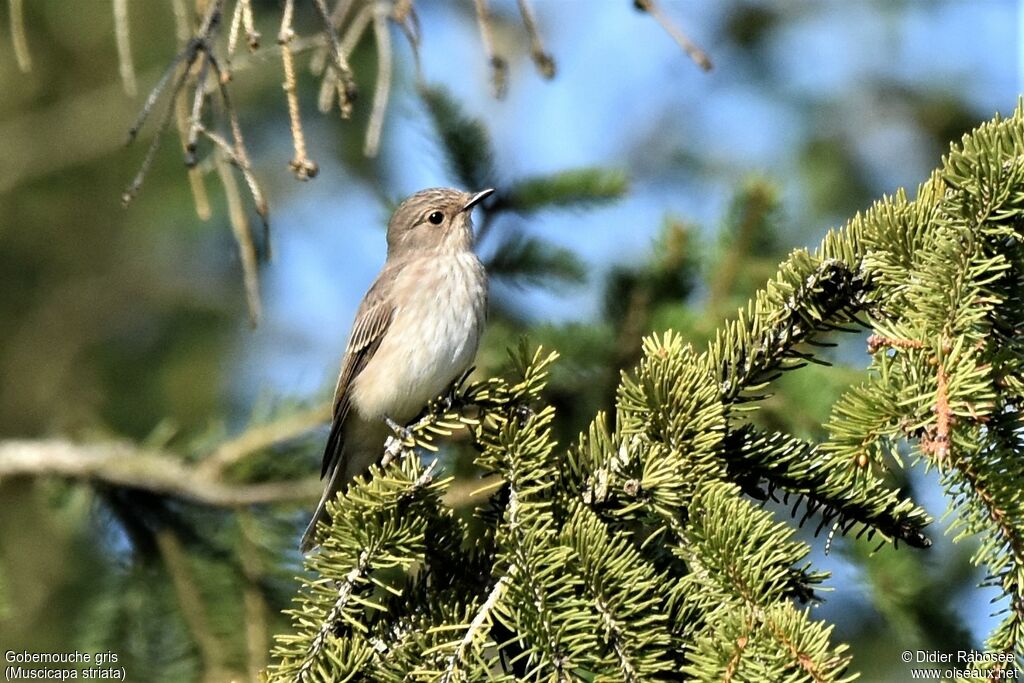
438, 218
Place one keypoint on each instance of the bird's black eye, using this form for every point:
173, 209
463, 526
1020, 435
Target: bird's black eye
436, 217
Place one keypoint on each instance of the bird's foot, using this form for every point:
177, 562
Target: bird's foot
401, 432
451, 398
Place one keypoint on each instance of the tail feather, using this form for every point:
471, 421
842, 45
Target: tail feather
336, 482
347, 456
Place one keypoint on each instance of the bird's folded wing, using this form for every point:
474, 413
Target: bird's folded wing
371, 323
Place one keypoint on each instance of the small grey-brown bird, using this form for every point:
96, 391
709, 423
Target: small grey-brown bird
416, 331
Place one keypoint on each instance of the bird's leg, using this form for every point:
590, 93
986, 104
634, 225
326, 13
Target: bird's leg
451, 397
395, 444
402, 433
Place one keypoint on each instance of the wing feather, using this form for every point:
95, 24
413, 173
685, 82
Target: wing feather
371, 323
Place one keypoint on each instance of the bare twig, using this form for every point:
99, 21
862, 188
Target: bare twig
355, 31
252, 36
543, 59
236, 27
195, 176
124, 47
331, 87
165, 120
698, 55
195, 119
499, 67
125, 465
404, 14
383, 86
242, 18
302, 166
242, 231
340, 11
20, 43
185, 58
181, 29
347, 89
242, 162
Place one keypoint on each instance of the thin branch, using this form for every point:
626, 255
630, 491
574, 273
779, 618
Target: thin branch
347, 89
155, 93
541, 58
355, 31
252, 36
181, 29
196, 117
404, 14
262, 436
499, 67
242, 162
195, 176
383, 85
242, 17
345, 589
236, 26
21, 53
239, 155
340, 11
331, 86
197, 45
133, 189
302, 166
936, 442
242, 231
122, 464
124, 47
482, 617
698, 55
876, 342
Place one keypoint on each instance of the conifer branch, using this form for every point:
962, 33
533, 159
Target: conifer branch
633, 555
804, 469
457, 660
344, 590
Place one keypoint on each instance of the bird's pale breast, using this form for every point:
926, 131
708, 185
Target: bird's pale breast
431, 340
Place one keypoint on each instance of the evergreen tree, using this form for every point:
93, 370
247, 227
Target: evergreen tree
634, 554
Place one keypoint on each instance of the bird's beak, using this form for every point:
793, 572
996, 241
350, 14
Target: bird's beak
477, 198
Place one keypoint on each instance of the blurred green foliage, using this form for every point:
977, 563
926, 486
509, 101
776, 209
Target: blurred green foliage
122, 324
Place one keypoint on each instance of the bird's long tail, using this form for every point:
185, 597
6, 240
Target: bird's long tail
336, 482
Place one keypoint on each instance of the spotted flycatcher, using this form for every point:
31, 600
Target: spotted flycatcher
415, 332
